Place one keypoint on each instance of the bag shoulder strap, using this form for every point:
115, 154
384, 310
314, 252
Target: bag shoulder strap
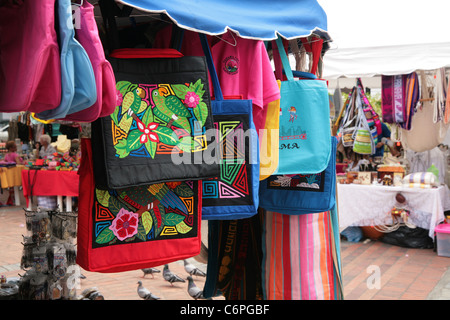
284, 60
212, 69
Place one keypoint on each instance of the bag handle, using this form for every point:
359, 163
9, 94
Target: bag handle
212, 69
280, 54
284, 60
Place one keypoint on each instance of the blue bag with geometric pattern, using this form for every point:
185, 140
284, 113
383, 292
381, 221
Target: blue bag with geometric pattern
234, 193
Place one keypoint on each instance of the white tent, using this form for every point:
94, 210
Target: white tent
386, 37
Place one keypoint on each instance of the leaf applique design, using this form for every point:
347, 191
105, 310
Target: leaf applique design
183, 228
172, 219
105, 236
166, 135
102, 197
201, 113
141, 234
183, 190
133, 140
114, 205
147, 221
121, 148
180, 90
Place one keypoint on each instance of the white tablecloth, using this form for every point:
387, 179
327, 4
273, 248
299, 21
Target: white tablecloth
369, 205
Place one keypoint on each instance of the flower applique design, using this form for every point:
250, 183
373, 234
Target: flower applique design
125, 225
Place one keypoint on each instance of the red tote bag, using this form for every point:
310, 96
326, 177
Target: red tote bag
132, 228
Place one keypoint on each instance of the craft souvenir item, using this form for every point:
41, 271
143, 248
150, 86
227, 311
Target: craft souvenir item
29, 57
301, 257
234, 193
301, 193
159, 129
425, 134
234, 259
304, 123
87, 35
77, 76
132, 228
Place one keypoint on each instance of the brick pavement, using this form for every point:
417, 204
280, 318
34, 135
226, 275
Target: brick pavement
405, 274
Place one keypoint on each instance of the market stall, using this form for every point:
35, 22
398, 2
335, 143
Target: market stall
50, 183
367, 205
146, 112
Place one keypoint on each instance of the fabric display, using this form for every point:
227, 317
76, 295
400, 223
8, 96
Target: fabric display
234, 193
234, 259
159, 129
425, 133
131, 228
295, 194
53, 70
304, 123
301, 257
399, 97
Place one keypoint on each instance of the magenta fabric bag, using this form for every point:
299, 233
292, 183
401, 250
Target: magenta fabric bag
30, 71
87, 34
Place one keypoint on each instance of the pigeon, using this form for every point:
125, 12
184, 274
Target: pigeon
193, 270
150, 271
193, 290
171, 277
144, 293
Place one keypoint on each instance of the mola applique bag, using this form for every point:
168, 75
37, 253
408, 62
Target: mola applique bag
301, 193
304, 123
158, 130
233, 194
138, 227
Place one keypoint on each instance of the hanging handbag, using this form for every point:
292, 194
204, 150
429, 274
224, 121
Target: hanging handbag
400, 94
235, 259
424, 134
234, 193
159, 130
133, 228
30, 69
363, 139
87, 35
348, 126
304, 123
301, 257
301, 193
77, 76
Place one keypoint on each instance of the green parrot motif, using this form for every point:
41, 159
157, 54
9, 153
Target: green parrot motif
132, 101
170, 109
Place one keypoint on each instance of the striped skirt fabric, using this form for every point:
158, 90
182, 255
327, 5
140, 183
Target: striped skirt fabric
301, 257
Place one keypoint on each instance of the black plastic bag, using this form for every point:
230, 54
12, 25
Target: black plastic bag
409, 238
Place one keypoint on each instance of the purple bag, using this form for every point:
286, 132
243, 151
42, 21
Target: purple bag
30, 69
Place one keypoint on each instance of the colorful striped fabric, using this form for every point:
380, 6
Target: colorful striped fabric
301, 257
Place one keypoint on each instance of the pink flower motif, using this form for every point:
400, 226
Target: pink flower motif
125, 224
119, 98
148, 133
192, 99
